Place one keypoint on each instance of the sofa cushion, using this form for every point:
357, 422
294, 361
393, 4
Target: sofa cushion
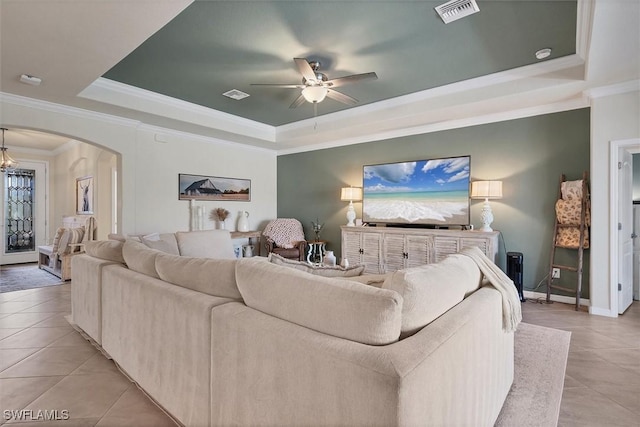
140, 258
110, 250
165, 242
70, 236
215, 277
320, 270
206, 244
430, 290
333, 306
56, 240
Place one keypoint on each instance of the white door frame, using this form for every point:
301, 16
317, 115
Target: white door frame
633, 146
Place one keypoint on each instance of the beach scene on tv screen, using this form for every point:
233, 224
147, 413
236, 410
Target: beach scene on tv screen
418, 192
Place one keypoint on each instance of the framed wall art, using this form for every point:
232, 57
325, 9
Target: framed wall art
84, 195
201, 187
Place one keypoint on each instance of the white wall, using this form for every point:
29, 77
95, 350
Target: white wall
613, 117
79, 161
148, 169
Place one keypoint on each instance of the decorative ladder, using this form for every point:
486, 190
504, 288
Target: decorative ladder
582, 229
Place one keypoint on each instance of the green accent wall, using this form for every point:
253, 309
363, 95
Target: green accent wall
528, 155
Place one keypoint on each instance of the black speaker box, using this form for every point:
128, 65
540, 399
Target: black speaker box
514, 271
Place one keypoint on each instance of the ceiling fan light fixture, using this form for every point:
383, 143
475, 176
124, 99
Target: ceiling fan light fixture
543, 53
314, 94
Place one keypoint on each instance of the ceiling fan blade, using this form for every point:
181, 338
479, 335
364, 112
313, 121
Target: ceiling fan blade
355, 78
279, 85
299, 101
341, 97
305, 69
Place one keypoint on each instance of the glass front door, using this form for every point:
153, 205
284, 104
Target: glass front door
23, 215
19, 192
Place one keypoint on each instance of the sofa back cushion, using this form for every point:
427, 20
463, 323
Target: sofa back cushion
430, 290
215, 277
333, 306
206, 244
165, 242
110, 250
139, 257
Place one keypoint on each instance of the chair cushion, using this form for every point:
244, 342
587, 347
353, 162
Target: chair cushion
430, 290
336, 307
206, 244
215, 277
70, 236
110, 250
284, 232
320, 270
56, 240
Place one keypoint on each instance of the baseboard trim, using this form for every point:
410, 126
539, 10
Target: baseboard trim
556, 298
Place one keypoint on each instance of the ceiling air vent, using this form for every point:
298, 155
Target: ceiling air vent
235, 94
456, 9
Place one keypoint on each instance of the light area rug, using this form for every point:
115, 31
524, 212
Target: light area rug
540, 363
25, 276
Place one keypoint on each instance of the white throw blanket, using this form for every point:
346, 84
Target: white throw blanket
511, 309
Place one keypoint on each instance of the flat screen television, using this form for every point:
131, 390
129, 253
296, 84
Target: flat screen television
432, 192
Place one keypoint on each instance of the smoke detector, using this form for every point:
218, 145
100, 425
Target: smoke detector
235, 94
456, 9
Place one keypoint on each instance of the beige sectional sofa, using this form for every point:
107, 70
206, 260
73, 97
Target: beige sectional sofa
218, 341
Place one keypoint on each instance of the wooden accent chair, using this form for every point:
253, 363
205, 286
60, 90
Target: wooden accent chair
68, 241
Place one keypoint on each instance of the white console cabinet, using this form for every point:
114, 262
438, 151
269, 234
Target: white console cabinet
386, 249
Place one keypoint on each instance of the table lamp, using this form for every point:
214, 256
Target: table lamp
351, 194
486, 190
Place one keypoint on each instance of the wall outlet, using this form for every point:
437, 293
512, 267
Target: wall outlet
555, 273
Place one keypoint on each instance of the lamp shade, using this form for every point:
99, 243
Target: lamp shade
314, 93
486, 190
349, 194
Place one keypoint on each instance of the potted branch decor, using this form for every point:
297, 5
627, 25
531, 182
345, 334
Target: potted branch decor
220, 215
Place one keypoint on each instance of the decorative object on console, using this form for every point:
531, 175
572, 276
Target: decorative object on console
351, 194
220, 215
202, 187
243, 221
197, 216
84, 195
329, 259
6, 161
486, 190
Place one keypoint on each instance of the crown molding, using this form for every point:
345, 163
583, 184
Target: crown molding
161, 133
614, 89
573, 104
39, 104
126, 96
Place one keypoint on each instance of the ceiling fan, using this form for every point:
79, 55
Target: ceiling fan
316, 85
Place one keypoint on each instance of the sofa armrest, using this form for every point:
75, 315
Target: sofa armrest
458, 369
160, 335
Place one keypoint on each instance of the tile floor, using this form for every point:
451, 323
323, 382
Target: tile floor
602, 381
45, 364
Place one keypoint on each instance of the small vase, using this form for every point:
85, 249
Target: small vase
222, 225
329, 259
345, 263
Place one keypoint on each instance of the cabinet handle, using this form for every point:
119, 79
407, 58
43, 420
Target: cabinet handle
361, 250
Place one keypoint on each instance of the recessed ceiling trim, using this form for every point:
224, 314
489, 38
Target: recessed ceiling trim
529, 71
123, 95
236, 94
